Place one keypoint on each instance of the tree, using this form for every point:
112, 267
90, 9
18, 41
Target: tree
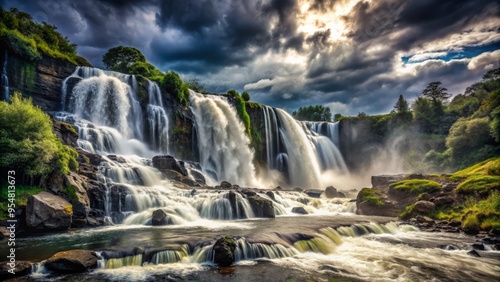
337, 117
492, 74
401, 105
121, 58
173, 84
435, 92
313, 113
245, 96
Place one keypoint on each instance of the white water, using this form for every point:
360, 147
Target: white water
222, 140
5, 79
157, 119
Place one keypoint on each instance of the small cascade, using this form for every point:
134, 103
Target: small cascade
157, 119
248, 251
38, 269
135, 260
272, 140
5, 79
171, 256
222, 142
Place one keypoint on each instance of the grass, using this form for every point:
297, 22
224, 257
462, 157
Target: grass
21, 198
480, 184
371, 196
415, 186
487, 167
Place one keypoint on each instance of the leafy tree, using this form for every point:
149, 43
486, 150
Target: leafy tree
401, 105
362, 115
121, 58
27, 143
245, 96
313, 113
435, 92
492, 74
172, 83
337, 117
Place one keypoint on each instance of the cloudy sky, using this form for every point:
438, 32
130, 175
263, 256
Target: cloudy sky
352, 55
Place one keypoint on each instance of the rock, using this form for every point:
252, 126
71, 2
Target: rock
478, 246
77, 195
313, 193
261, 207
224, 251
424, 219
163, 163
225, 185
331, 192
270, 194
48, 211
424, 206
474, 253
248, 192
278, 188
190, 182
299, 210
425, 197
198, 177
172, 175
373, 202
72, 261
21, 268
4, 232
341, 194
297, 189
443, 201
382, 181
118, 159
160, 217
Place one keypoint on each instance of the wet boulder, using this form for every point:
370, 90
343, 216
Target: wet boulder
21, 268
48, 211
313, 193
72, 261
198, 177
443, 201
160, 217
261, 207
163, 163
225, 185
270, 194
224, 251
299, 210
331, 192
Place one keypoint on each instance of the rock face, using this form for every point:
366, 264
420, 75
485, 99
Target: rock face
224, 251
373, 202
72, 261
79, 199
48, 211
261, 207
163, 163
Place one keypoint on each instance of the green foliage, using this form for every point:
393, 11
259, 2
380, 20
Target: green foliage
194, 84
313, 113
242, 111
415, 186
401, 105
29, 39
480, 185
21, 199
172, 83
435, 92
464, 106
482, 215
487, 167
371, 196
71, 193
27, 143
495, 123
121, 59
337, 117
245, 96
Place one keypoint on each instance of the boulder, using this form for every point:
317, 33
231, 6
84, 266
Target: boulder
198, 177
21, 268
4, 232
383, 181
48, 211
331, 192
72, 261
118, 159
190, 182
225, 185
223, 251
270, 194
160, 217
424, 219
172, 174
425, 197
297, 189
163, 163
299, 210
341, 195
443, 201
424, 206
261, 207
313, 193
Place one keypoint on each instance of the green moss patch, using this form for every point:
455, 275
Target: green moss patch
415, 186
21, 198
371, 196
479, 185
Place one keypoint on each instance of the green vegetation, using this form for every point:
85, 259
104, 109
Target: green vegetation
242, 111
71, 193
483, 215
21, 199
313, 113
27, 143
245, 96
173, 84
30, 40
371, 196
481, 185
415, 186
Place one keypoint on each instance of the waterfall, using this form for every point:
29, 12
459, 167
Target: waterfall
5, 79
157, 119
303, 166
222, 141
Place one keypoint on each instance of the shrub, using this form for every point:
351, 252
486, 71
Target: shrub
245, 96
172, 83
415, 186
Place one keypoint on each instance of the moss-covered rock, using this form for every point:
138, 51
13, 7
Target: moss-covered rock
261, 207
224, 251
414, 187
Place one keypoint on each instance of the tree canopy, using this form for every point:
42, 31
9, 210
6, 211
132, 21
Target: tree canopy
313, 113
401, 105
121, 58
435, 92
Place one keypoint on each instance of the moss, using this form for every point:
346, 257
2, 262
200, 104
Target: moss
480, 185
471, 224
28, 75
254, 105
487, 167
371, 196
69, 209
71, 193
415, 186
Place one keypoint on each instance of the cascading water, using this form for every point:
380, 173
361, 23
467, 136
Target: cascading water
157, 119
222, 142
326, 148
5, 79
